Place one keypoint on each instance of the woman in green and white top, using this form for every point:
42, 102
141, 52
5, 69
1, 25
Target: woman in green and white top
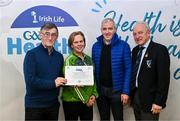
78, 101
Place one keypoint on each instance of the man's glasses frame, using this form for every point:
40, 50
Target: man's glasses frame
48, 34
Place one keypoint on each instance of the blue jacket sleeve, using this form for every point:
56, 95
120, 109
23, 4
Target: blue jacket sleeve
127, 69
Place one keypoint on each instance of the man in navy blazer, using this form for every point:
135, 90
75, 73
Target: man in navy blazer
149, 87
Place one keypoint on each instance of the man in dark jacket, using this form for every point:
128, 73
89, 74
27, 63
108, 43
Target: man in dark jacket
151, 75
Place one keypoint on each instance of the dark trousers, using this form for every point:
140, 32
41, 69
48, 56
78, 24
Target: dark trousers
139, 113
75, 110
107, 101
38, 114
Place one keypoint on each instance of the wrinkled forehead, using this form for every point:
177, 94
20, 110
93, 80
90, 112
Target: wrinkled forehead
108, 22
140, 27
51, 30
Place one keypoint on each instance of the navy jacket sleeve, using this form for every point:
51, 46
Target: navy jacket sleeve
163, 77
30, 71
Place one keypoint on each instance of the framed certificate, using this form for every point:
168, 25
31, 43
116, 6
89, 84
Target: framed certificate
79, 75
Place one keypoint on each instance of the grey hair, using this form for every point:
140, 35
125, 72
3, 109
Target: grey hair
108, 20
144, 23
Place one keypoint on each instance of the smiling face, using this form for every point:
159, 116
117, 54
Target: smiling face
141, 34
108, 30
48, 37
78, 44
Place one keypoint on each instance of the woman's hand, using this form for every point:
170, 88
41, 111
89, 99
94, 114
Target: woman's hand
91, 101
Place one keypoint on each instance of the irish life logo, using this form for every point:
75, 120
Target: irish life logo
24, 33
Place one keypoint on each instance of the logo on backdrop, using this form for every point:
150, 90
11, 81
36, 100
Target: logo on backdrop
29, 23
36, 16
33, 13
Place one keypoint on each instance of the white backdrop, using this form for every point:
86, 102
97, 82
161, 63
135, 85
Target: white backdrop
20, 21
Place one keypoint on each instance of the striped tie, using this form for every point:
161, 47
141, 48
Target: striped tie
136, 65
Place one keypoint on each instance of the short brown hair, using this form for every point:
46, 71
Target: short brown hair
49, 25
72, 36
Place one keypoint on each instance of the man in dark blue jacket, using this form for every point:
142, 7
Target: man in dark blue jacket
112, 59
151, 78
43, 76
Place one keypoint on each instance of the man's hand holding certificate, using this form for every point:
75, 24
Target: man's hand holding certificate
79, 75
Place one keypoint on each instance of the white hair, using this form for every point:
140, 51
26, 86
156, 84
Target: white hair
108, 20
144, 23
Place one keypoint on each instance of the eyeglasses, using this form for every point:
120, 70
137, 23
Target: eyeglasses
48, 34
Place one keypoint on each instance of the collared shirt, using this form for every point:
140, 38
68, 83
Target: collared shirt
143, 53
